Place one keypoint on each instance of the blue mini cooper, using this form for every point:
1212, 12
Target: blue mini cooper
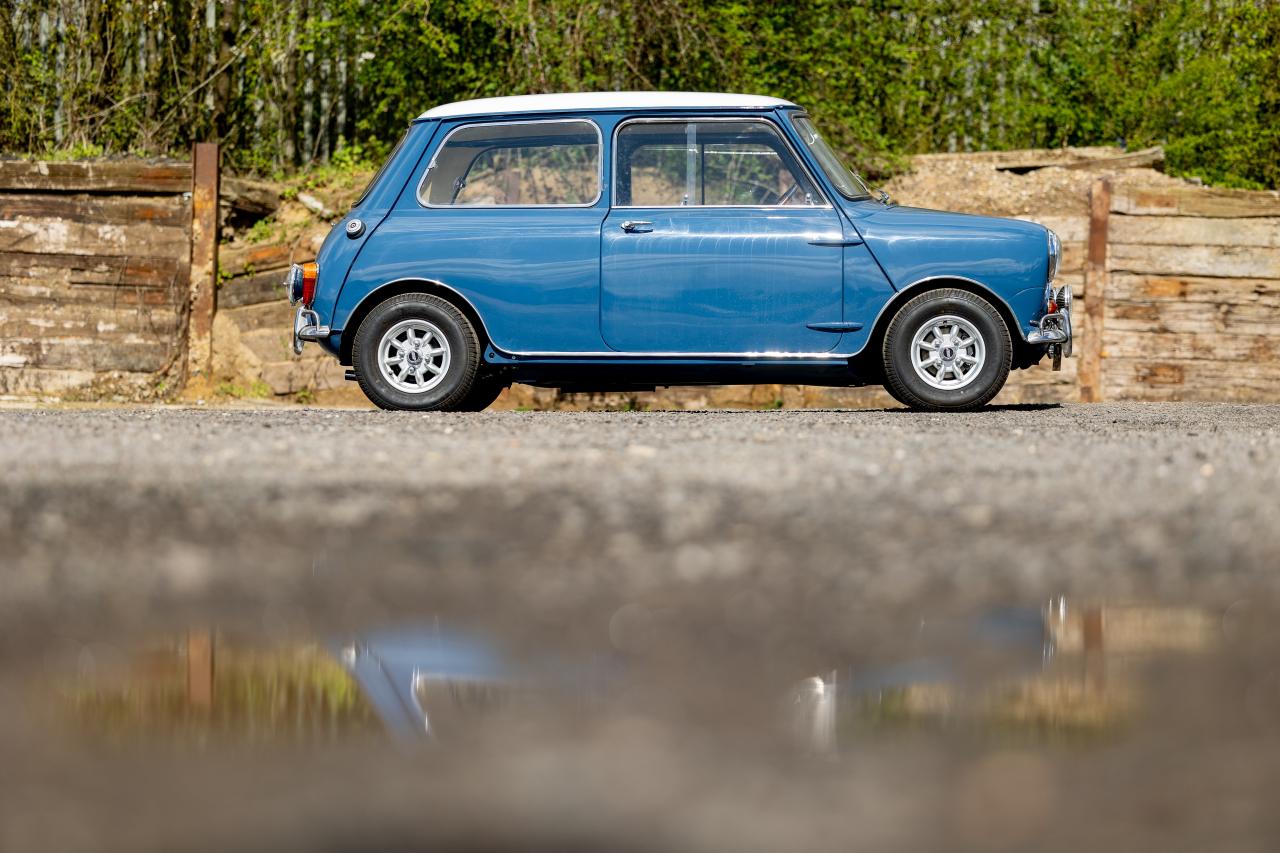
625, 240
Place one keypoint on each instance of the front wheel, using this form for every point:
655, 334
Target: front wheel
418, 352
946, 350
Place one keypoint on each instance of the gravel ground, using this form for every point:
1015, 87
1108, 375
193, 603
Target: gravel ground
728, 552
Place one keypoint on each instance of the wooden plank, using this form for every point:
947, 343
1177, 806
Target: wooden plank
28, 318
1138, 200
52, 236
1090, 368
272, 344
101, 209
1156, 378
257, 197
1137, 343
265, 286
96, 176
1075, 256
1146, 158
40, 382
1197, 317
204, 258
1195, 289
265, 315
107, 270
1221, 261
133, 354
239, 260
44, 292
1260, 231
1024, 158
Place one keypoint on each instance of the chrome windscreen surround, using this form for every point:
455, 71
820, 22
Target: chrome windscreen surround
293, 284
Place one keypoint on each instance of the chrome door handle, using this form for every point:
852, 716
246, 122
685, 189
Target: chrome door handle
637, 226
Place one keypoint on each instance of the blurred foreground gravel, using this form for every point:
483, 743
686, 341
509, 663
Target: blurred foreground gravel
724, 554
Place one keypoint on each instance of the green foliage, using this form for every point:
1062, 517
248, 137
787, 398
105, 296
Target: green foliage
291, 83
258, 390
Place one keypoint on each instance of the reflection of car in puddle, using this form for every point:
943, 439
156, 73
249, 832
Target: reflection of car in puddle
428, 682
1057, 672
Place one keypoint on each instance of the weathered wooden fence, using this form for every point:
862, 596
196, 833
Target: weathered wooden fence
109, 283
253, 328
1183, 294
95, 275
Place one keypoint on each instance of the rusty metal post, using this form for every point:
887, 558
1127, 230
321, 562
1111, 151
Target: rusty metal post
200, 669
1095, 292
204, 258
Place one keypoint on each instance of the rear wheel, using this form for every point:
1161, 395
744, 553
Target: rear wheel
417, 352
483, 392
946, 350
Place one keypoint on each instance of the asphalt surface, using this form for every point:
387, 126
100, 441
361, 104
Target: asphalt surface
729, 552
119, 510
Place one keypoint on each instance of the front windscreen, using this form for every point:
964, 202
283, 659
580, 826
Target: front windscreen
845, 179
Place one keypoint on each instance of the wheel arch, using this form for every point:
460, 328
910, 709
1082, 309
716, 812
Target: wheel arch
383, 292
869, 356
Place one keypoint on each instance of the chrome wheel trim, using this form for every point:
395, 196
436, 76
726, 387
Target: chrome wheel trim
948, 352
413, 356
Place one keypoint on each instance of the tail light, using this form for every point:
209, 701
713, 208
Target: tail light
310, 272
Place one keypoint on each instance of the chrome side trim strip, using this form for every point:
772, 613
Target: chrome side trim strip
835, 327
805, 356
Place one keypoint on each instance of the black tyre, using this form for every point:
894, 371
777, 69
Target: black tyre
417, 352
946, 350
483, 392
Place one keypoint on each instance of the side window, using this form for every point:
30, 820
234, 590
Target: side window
713, 163
515, 164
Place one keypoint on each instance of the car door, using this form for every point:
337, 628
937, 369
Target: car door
717, 242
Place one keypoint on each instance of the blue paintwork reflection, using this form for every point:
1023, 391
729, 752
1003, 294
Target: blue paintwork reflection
416, 677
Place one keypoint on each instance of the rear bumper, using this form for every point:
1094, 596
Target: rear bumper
306, 327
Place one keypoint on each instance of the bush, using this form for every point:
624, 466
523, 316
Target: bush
281, 82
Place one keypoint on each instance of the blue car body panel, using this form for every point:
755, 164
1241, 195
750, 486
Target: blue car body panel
705, 287
916, 246
713, 280
534, 279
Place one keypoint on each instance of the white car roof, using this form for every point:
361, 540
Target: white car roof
583, 101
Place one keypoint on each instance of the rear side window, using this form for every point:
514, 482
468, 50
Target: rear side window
516, 164
708, 163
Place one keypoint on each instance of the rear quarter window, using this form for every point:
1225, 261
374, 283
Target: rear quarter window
515, 164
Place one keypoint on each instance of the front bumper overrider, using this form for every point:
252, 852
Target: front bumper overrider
1054, 328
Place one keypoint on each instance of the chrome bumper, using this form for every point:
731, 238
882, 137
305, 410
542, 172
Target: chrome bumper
1054, 329
306, 327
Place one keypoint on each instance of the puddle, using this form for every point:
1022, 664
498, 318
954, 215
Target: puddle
1059, 724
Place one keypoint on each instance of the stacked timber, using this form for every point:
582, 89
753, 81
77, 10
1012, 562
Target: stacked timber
253, 327
1192, 294
94, 266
